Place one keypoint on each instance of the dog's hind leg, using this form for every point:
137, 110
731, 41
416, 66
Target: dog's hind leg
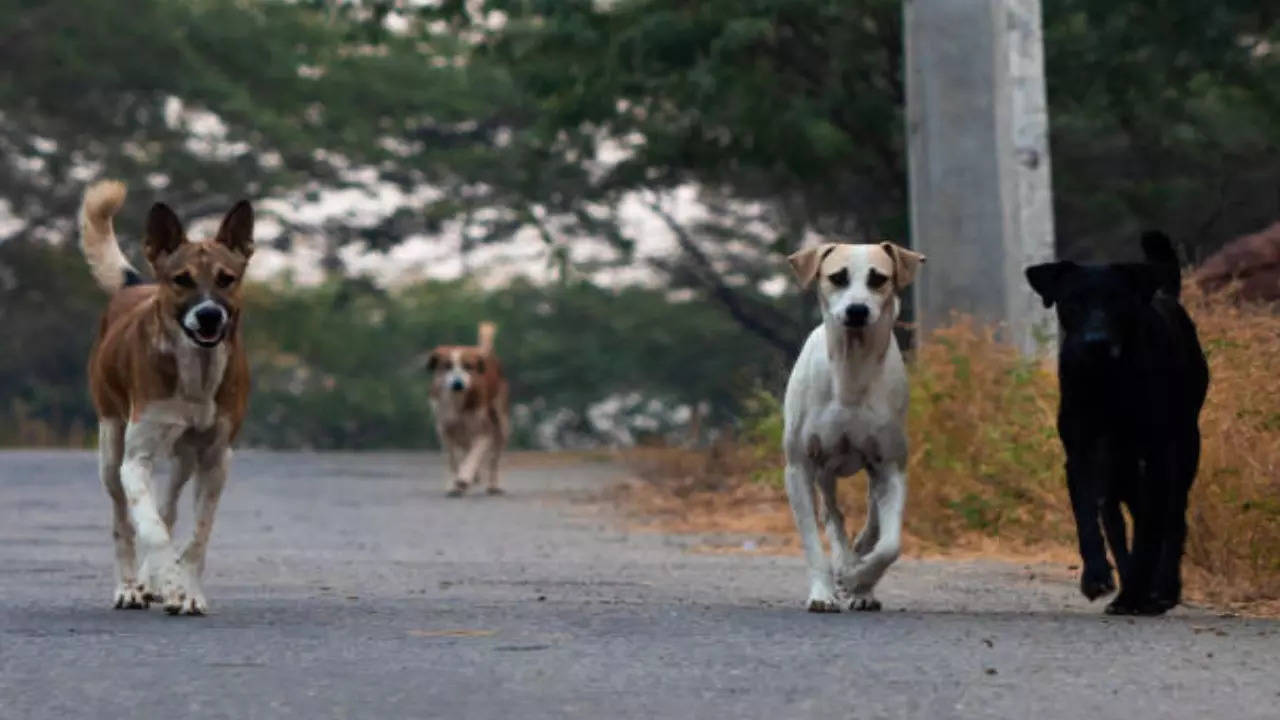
888, 495
870, 533
1113, 526
179, 472
822, 595
110, 455
842, 557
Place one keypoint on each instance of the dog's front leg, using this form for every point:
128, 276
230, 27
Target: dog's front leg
161, 576
453, 485
1096, 579
469, 470
822, 596
211, 477
110, 455
1151, 512
888, 496
491, 466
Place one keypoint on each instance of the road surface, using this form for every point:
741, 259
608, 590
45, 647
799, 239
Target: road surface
348, 586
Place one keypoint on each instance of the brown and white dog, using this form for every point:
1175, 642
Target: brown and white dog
169, 380
469, 399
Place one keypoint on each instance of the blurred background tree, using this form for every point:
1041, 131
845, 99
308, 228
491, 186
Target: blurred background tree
568, 121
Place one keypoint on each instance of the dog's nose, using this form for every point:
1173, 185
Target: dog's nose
457, 385
856, 315
1095, 340
209, 319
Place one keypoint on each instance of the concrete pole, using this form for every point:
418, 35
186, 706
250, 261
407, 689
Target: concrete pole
978, 146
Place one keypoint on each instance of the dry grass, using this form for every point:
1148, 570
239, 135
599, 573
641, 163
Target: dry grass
986, 472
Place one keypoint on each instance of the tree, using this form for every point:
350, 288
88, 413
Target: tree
785, 115
206, 101
1163, 114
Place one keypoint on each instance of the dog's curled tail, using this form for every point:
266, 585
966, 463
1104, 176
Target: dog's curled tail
1159, 252
485, 333
102, 200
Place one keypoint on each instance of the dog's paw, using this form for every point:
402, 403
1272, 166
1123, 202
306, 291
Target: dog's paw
1150, 606
823, 600
865, 602
130, 596
170, 582
192, 602
458, 490
818, 605
1097, 582
1127, 604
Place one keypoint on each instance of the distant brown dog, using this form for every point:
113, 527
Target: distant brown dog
469, 398
169, 379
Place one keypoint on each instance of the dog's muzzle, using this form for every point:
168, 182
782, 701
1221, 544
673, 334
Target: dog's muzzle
206, 322
457, 385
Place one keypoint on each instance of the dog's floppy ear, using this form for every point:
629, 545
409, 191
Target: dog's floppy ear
1047, 278
164, 233
806, 262
905, 263
236, 230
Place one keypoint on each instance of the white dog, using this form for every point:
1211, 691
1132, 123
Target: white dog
845, 410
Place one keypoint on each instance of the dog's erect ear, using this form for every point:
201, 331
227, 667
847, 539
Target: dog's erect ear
905, 263
1144, 279
806, 262
236, 231
1047, 278
164, 233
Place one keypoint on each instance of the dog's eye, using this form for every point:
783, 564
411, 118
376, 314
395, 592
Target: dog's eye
839, 278
184, 280
876, 279
225, 279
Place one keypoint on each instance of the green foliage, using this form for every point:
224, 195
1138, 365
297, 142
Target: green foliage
344, 358
339, 365
302, 92
1162, 114
48, 311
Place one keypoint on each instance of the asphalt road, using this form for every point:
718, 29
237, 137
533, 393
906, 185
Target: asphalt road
348, 586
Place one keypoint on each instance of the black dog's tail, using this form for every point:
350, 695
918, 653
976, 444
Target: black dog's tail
1159, 251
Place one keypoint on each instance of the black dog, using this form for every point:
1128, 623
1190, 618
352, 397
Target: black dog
1133, 380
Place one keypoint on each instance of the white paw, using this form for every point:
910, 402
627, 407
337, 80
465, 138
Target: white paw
865, 602
169, 581
823, 600
129, 596
192, 604
458, 490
